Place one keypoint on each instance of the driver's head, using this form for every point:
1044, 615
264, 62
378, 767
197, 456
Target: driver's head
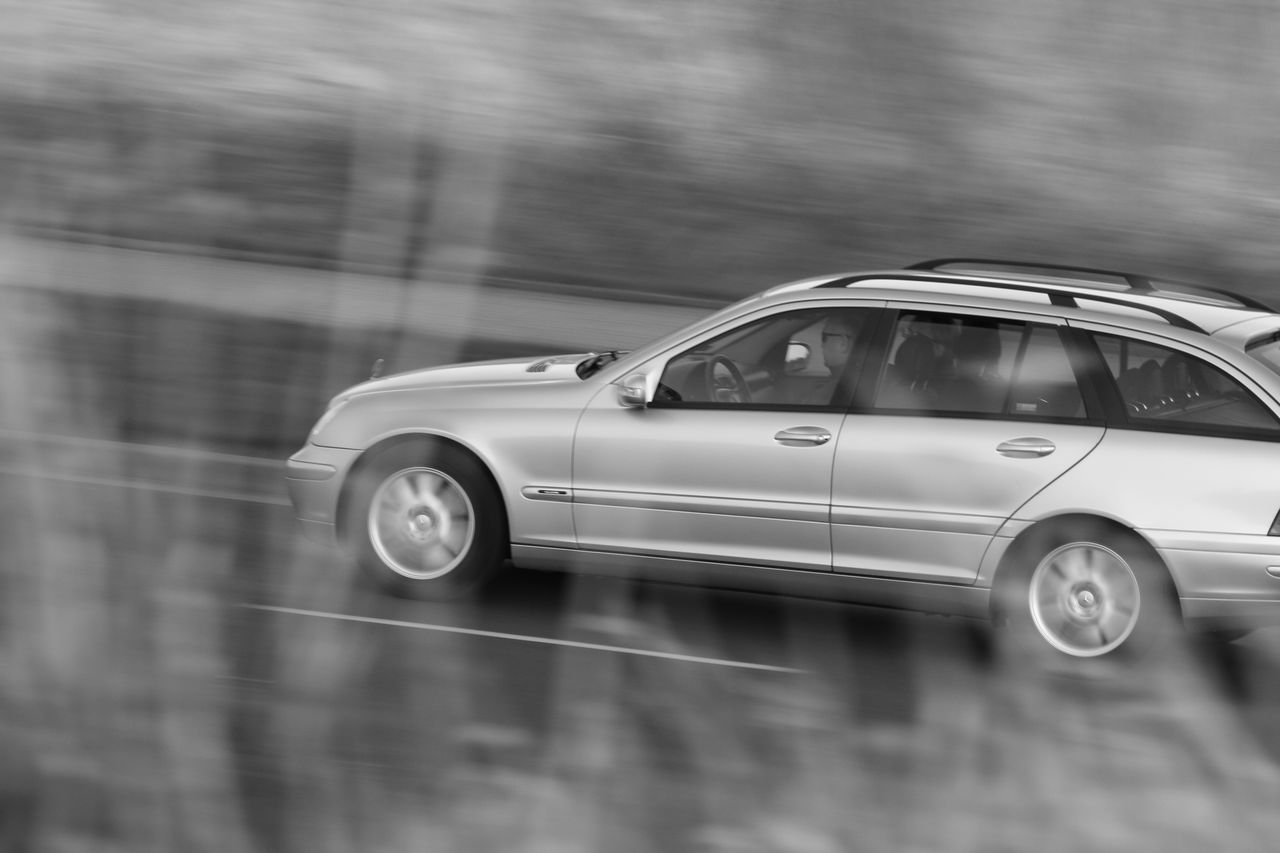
838, 336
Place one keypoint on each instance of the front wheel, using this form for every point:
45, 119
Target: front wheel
1086, 593
426, 520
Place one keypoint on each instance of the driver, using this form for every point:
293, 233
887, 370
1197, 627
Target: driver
839, 335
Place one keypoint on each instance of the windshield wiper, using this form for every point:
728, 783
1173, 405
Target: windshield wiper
592, 366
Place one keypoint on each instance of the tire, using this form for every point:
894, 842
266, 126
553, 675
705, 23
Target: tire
425, 520
1084, 597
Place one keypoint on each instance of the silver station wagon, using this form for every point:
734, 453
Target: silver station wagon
1089, 458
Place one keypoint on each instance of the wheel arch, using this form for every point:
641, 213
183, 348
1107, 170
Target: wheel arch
1026, 542
373, 452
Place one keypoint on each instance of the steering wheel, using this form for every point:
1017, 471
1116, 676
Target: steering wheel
729, 385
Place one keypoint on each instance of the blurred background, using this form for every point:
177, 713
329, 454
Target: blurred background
214, 216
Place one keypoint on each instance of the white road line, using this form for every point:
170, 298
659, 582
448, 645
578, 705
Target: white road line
548, 641
121, 483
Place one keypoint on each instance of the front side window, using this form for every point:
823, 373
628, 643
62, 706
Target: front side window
1164, 388
969, 365
806, 359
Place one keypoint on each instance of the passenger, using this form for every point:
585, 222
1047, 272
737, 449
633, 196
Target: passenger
976, 385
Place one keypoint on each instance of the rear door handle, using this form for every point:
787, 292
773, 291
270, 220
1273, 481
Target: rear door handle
1026, 448
803, 436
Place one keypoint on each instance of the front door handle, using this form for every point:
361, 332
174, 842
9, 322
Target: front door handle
1026, 448
803, 436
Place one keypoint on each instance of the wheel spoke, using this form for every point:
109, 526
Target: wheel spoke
1057, 623
1072, 565
1117, 621
454, 503
1108, 571
404, 492
436, 556
431, 486
1074, 635
1120, 587
384, 523
1047, 598
1088, 566
455, 537
388, 499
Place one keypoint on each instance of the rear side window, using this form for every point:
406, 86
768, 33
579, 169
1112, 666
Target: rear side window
1045, 385
960, 364
1163, 388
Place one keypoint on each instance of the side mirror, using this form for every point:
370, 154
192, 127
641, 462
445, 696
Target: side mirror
798, 354
633, 391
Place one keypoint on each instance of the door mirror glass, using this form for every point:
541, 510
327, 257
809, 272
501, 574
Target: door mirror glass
633, 391
798, 355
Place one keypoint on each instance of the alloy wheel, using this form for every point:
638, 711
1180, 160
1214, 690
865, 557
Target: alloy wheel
421, 523
1084, 599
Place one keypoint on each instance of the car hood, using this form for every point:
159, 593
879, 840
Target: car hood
506, 371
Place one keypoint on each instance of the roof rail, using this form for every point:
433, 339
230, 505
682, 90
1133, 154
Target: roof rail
1057, 296
1136, 282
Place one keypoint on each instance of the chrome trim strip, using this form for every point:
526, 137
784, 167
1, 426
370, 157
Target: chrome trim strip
1254, 544
788, 510
557, 494
983, 525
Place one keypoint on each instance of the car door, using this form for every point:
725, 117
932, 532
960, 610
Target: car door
730, 460
1190, 461
972, 416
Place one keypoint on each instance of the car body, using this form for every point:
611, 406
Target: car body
1077, 452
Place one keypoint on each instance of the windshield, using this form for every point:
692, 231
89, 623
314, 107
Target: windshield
1267, 351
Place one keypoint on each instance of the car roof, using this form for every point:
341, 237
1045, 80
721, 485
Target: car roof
1194, 314
1102, 294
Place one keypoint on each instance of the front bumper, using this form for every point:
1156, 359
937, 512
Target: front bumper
314, 476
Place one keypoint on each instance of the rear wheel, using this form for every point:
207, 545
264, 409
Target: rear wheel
426, 520
1083, 595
